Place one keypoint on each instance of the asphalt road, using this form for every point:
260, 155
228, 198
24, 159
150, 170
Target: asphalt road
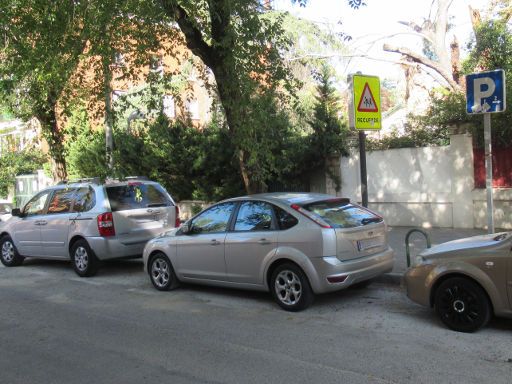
115, 328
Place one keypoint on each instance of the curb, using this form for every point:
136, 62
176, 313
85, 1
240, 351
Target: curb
390, 278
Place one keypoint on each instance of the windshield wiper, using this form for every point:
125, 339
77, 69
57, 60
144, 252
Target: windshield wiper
369, 220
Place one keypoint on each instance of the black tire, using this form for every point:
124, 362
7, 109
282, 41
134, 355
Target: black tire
462, 305
9, 255
290, 288
84, 260
161, 273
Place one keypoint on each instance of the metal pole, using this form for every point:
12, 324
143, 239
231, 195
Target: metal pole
362, 162
488, 172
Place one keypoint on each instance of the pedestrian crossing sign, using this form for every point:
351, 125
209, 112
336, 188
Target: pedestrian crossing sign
364, 110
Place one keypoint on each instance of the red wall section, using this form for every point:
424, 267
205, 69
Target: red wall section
501, 167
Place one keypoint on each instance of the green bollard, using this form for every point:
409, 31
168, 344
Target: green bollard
407, 248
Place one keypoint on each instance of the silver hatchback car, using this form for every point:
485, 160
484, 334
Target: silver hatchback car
294, 245
88, 221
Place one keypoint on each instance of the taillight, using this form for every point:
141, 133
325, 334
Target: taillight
177, 221
106, 224
311, 216
336, 279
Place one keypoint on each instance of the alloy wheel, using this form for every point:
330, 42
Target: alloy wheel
81, 258
288, 287
160, 272
8, 251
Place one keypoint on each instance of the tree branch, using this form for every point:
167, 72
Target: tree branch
193, 35
424, 61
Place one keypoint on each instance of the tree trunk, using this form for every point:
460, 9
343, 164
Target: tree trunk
218, 56
109, 137
55, 139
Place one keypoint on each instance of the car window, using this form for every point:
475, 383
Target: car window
284, 219
340, 213
61, 201
36, 205
85, 198
254, 216
137, 195
215, 219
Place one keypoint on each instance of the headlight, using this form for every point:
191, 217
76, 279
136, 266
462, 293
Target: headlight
419, 260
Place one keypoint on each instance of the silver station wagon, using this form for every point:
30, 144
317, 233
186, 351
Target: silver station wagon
88, 221
294, 245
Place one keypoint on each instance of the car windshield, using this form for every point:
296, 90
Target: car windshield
340, 213
137, 195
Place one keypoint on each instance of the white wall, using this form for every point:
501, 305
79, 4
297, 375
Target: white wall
428, 187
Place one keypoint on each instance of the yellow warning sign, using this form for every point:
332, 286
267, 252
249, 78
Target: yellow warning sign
365, 112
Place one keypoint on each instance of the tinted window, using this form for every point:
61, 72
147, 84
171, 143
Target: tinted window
284, 219
36, 205
61, 201
85, 199
340, 213
137, 195
215, 219
254, 216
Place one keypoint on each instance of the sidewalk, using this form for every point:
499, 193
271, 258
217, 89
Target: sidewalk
417, 243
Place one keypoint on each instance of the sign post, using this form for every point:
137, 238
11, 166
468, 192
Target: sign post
485, 94
364, 114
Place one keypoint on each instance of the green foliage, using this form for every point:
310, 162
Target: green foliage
17, 163
43, 43
85, 148
190, 163
492, 49
330, 134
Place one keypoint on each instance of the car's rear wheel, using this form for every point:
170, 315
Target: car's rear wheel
9, 255
290, 287
162, 273
84, 260
462, 304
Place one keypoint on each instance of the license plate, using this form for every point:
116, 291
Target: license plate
374, 242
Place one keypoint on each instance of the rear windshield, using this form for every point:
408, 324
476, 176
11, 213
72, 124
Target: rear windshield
137, 195
340, 213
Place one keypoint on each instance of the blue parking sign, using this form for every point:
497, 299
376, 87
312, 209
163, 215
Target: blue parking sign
485, 92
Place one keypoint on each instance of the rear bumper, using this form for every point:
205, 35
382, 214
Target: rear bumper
106, 248
352, 271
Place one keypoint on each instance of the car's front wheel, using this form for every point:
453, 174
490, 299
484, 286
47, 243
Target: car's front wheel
462, 304
162, 273
84, 260
9, 255
290, 287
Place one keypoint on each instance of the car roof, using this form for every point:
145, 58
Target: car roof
106, 182
289, 198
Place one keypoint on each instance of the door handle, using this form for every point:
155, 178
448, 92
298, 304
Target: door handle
156, 211
215, 242
263, 241
43, 222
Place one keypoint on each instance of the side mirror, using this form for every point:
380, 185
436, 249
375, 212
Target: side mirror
185, 228
16, 212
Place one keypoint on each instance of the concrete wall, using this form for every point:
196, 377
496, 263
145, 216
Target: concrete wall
426, 187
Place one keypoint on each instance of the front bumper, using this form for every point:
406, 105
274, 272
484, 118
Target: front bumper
416, 281
350, 271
